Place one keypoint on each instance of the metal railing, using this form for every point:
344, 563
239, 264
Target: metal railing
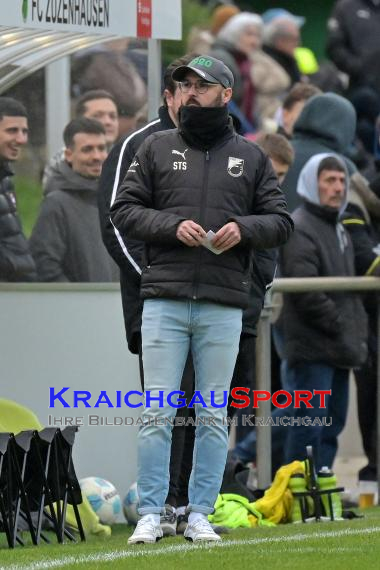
263, 367
263, 370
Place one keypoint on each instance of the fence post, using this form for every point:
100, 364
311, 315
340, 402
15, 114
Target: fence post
263, 382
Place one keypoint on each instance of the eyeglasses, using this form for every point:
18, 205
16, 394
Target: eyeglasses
199, 86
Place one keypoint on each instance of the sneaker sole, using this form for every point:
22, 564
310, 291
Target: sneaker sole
218, 539
145, 541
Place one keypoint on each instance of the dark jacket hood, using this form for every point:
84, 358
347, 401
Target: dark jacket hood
64, 178
329, 118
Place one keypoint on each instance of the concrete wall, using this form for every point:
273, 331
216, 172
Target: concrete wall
58, 336
73, 335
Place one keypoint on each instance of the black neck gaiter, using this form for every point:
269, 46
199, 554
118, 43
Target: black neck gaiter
203, 127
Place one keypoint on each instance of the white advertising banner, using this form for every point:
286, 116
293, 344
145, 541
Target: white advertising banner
159, 19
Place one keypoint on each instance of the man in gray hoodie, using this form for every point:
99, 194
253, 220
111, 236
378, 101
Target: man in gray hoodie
66, 241
324, 332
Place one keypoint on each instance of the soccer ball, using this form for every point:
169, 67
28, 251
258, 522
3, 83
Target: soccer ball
103, 498
130, 505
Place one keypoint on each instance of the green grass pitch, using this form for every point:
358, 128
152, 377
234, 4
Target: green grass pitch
339, 546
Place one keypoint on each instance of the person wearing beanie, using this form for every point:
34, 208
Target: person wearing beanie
202, 199
220, 16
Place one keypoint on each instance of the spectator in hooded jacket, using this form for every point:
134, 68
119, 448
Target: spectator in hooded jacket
327, 123
325, 333
66, 240
16, 263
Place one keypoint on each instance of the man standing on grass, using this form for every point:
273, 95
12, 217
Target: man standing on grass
183, 184
16, 262
325, 332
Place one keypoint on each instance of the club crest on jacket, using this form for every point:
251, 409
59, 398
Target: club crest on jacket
235, 166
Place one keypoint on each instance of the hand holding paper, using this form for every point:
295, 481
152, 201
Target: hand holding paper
227, 237
207, 242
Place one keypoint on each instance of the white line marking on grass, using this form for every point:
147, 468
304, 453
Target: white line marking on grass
311, 549
173, 549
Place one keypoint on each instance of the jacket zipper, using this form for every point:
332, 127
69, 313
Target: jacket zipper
201, 219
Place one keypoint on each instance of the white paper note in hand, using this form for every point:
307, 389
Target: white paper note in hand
207, 243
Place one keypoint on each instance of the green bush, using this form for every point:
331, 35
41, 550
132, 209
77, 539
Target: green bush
29, 196
193, 14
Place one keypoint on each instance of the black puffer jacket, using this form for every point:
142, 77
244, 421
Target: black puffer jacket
16, 262
128, 253
170, 181
353, 40
328, 327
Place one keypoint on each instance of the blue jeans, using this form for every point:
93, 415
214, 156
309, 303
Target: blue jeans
169, 329
324, 439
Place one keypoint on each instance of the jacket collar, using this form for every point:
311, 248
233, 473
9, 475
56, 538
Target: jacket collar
331, 215
5, 170
165, 118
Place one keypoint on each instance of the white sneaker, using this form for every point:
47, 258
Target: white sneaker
146, 531
200, 530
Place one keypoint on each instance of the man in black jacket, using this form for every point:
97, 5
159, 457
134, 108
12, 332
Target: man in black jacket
128, 255
324, 332
353, 45
16, 263
364, 233
126, 252
353, 41
201, 198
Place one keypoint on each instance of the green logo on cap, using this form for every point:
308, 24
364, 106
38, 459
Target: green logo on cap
24, 10
203, 61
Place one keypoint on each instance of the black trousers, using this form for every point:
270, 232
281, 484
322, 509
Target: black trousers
366, 384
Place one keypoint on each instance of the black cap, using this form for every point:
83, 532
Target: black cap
209, 68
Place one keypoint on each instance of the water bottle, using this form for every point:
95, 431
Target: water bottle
326, 480
297, 484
